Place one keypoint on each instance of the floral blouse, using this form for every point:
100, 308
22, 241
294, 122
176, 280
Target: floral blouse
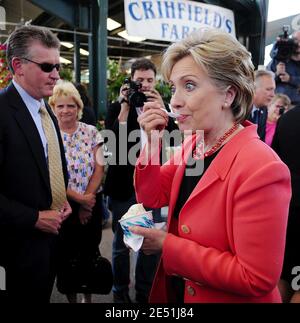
79, 155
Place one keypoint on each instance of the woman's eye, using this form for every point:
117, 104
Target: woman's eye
172, 88
189, 86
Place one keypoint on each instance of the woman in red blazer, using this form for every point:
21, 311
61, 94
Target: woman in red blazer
226, 224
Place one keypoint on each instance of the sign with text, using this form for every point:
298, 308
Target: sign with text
174, 20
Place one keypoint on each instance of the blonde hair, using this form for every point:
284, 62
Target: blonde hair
66, 88
284, 98
223, 58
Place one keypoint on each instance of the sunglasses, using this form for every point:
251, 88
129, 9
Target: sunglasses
45, 67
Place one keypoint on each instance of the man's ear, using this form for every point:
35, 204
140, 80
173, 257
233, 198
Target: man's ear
17, 66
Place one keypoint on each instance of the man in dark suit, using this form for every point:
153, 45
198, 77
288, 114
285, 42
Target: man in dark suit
286, 144
264, 92
29, 221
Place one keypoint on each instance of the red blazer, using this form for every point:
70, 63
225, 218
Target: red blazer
228, 243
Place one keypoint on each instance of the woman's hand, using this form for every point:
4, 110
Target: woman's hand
88, 201
153, 239
84, 215
153, 118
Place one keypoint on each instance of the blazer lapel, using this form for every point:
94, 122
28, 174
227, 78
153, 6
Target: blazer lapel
219, 167
28, 127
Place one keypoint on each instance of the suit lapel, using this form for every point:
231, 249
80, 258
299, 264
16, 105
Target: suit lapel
28, 127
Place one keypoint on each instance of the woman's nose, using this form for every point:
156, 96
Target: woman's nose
175, 101
65, 109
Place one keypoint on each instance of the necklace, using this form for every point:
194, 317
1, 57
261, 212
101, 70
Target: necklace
199, 149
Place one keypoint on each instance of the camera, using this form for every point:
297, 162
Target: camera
285, 47
136, 98
281, 110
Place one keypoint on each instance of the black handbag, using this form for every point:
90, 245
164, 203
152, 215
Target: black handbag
99, 278
89, 277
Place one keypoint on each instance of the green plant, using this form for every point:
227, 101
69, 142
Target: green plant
164, 90
115, 79
66, 74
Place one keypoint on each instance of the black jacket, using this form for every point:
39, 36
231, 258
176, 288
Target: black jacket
286, 144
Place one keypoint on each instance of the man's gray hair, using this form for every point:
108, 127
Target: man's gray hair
258, 74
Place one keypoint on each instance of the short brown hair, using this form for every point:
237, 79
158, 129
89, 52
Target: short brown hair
142, 64
19, 41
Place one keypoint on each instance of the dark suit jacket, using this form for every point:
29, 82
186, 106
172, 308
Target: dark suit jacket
261, 122
24, 189
286, 144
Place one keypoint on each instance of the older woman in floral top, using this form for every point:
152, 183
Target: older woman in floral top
81, 233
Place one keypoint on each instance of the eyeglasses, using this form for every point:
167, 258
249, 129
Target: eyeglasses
45, 67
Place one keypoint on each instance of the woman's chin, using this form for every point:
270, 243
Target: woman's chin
187, 127
183, 127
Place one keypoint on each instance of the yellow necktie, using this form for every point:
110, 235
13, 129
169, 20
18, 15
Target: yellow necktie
57, 183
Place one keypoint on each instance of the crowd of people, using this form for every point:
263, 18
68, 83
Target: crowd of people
232, 226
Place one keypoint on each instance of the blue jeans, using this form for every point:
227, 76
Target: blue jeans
145, 265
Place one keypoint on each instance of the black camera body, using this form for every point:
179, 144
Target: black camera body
285, 47
281, 110
136, 98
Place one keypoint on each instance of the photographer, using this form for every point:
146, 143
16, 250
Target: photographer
286, 65
122, 120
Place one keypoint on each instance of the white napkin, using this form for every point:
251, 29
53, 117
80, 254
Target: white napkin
135, 242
